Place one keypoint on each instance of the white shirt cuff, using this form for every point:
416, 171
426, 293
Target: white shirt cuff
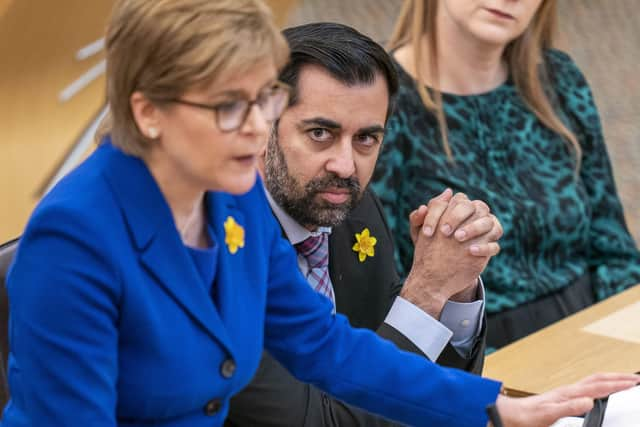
429, 335
465, 321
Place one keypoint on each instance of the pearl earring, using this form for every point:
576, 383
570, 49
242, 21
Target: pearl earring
153, 132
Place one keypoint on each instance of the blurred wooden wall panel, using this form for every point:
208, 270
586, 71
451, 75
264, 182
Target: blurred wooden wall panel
4, 5
38, 41
281, 9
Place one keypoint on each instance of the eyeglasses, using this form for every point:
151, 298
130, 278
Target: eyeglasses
232, 114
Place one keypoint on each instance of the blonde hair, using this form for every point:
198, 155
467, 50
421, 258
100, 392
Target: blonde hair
523, 55
162, 48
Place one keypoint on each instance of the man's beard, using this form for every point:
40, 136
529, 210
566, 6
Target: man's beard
301, 202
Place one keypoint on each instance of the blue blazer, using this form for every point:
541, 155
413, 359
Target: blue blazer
112, 325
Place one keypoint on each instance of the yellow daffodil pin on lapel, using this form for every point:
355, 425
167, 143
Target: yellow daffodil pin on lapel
234, 235
364, 245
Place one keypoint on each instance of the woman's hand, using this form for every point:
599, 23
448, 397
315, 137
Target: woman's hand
572, 400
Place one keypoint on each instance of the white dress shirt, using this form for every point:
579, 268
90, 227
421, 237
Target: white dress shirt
459, 323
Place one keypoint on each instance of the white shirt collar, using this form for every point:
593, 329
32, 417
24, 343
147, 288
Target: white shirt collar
295, 232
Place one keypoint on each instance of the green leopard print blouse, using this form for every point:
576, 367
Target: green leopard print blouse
556, 228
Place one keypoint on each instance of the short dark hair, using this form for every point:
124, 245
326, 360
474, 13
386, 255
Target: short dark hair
346, 54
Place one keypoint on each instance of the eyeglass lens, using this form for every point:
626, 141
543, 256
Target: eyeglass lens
272, 102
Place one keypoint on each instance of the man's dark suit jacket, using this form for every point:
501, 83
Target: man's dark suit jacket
364, 292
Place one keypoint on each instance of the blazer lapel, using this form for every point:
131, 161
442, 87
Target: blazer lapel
221, 207
154, 233
167, 259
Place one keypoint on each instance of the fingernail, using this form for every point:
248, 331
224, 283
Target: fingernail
428, 231
446, 229
461, 234
475, 249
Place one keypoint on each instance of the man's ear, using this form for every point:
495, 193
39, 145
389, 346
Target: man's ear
146, 115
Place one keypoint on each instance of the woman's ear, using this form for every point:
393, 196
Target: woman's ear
146, 115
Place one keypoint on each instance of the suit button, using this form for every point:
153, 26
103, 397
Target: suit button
228, 368
213, 407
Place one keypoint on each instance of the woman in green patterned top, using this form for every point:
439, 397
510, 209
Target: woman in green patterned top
512, 123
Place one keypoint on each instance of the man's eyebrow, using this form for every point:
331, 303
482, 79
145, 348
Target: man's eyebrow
322, 122
368, 130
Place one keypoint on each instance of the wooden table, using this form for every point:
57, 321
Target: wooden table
564, 352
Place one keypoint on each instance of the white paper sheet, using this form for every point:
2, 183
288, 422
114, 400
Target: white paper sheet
623, 410
569, 422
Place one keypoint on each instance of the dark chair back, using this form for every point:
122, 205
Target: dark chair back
7, 252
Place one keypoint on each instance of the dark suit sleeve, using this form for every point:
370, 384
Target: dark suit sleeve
475, 362
336, 413
326, 411
449, 356
276, 399
274, 393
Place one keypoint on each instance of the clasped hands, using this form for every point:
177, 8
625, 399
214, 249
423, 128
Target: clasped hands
454, 238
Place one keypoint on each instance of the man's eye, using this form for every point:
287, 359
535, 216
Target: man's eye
319, 134
367, 140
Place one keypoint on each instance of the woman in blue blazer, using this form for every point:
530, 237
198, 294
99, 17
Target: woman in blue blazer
149, 280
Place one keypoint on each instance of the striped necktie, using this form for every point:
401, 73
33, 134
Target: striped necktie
315, 249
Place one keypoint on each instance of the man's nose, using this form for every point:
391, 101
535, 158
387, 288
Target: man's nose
341, 162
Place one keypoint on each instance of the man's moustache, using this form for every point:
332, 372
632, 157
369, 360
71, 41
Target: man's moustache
348, 184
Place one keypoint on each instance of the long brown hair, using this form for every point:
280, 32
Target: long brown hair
523, 55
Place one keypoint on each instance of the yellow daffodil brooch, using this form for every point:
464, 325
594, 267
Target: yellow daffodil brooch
234, 235
364, 245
